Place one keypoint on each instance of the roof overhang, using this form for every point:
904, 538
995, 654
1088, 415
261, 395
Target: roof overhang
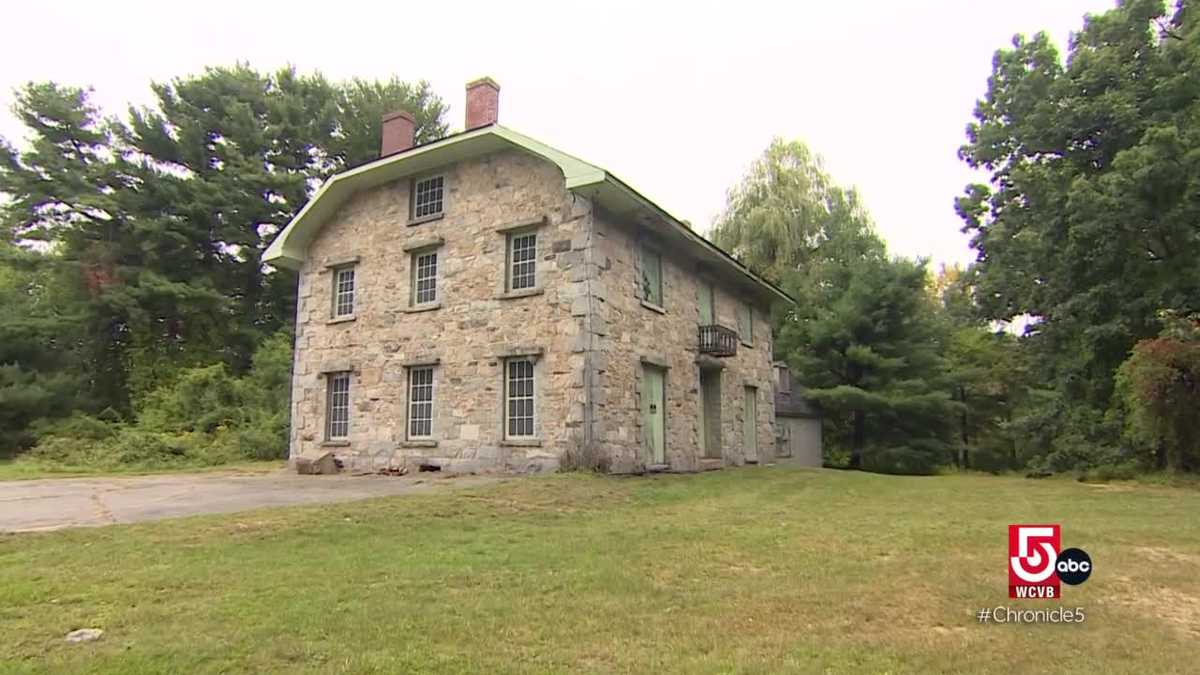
289, 247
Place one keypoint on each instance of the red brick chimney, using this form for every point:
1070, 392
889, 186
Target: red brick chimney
483, 102
397, 135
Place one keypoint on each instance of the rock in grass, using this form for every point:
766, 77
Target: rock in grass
84, 635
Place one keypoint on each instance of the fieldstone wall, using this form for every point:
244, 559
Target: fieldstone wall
634, 334
473, 328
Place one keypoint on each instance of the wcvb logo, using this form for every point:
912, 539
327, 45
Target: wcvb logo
1037, 564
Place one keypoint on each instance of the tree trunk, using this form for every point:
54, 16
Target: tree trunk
860, 432
966, 439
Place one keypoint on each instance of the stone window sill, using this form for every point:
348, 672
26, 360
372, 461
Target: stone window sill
422, 308
335, 444
426, 219
419, 443
341, 319
746, 344
523, 293
653, 307
522, 442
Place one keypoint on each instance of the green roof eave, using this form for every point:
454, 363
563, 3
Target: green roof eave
289, 246
618, 197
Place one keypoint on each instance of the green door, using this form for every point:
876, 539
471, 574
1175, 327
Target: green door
652, 414
750, 424
706, 305
701, 422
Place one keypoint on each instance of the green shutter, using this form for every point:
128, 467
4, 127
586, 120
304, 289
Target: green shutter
706, 305
652, 277
746, 323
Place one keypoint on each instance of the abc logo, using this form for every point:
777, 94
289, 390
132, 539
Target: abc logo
1073, 566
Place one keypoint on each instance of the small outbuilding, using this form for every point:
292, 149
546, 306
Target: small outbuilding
797, 422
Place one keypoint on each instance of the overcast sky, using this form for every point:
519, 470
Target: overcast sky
676, 99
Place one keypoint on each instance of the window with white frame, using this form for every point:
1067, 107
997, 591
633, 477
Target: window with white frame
651, 282
343, 292
428, 197
522, 261
337, 407
420, 402
424, 277
519, 398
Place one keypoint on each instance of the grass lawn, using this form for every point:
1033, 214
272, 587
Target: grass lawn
30, 469
750, 570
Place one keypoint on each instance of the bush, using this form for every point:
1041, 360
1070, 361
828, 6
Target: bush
1109, 472
912, 460
204, 417
1158, 388
200, 399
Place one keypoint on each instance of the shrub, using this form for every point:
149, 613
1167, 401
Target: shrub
1159, 392
200, 399
203, 417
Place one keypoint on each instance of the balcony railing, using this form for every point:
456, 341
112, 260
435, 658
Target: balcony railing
718, 341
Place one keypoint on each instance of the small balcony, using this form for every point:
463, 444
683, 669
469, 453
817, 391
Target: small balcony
718, 341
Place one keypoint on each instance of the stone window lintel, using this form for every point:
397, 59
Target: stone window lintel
534, 353
343, 261
655, 360
421, 244
524, 223
421, 361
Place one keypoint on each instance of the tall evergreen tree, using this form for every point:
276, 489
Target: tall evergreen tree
866, 345
159, 221
862, 339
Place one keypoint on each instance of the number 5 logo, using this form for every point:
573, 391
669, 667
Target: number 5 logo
1036, 551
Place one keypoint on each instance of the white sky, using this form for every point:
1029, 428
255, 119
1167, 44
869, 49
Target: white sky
676, 99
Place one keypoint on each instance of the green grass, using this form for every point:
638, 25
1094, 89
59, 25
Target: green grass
24, 468
753, 570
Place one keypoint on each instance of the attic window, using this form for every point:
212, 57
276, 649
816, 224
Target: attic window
428, 197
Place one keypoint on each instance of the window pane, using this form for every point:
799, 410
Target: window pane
420, 402
338, 406
425, 278
427, 196
522, 261
343, 292
519, 406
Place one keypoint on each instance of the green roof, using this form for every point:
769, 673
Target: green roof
288, 248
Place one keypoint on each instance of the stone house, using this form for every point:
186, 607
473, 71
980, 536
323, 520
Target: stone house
487, 301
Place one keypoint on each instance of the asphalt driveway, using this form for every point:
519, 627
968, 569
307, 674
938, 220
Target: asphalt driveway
27, 505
